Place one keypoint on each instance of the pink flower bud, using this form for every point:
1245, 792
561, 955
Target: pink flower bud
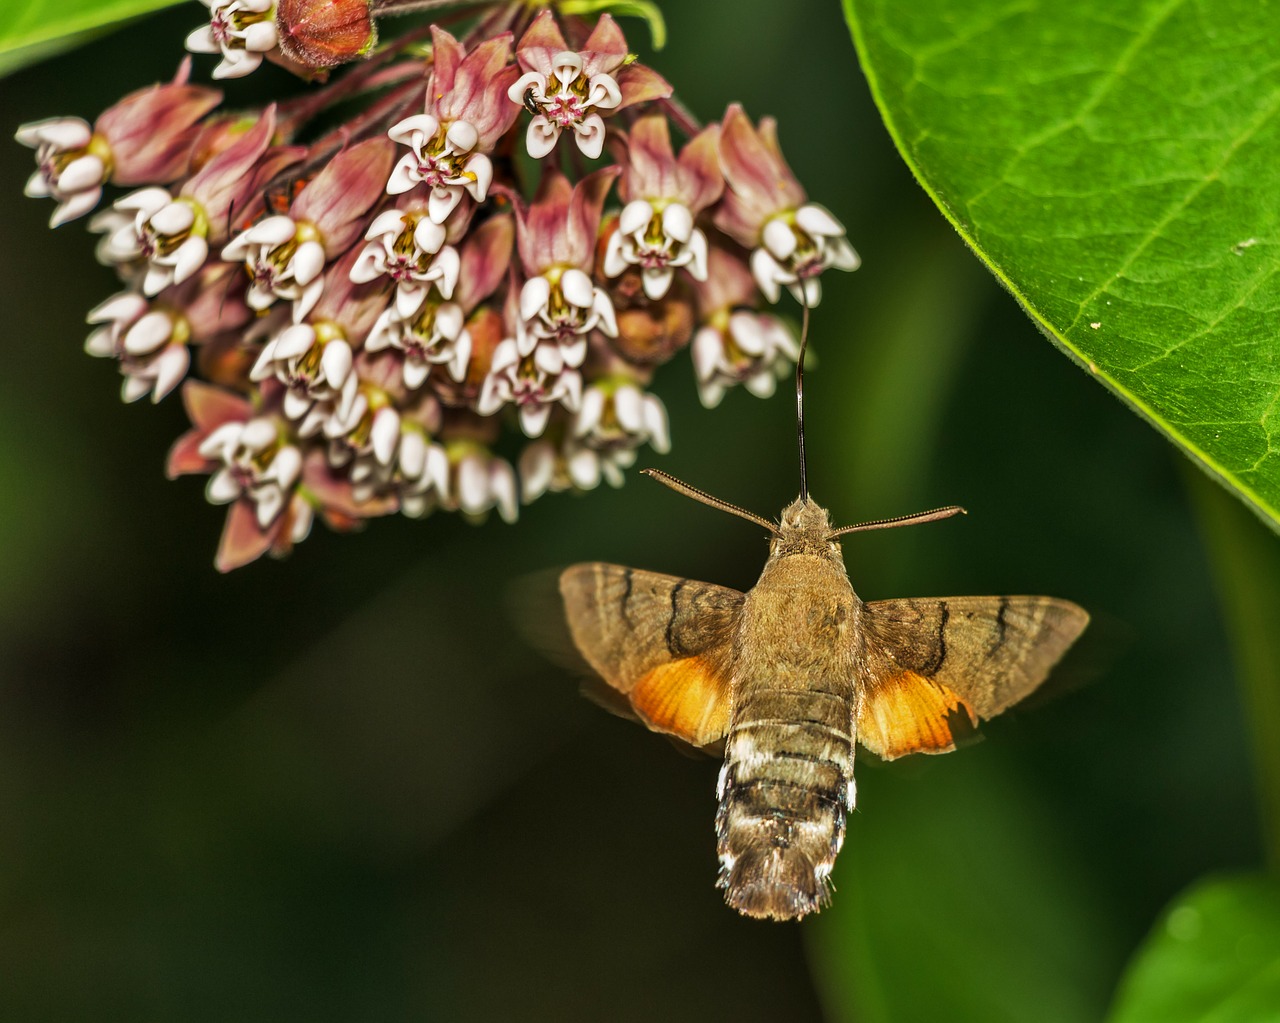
325, 33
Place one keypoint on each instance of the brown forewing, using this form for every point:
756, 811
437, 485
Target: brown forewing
935, 666
665, 643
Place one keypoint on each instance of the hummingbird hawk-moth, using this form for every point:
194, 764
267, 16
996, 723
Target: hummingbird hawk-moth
790, 676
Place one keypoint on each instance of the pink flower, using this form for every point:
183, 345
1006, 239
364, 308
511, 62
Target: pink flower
556, 236
615, 418
167, 238
150, 338
285, 254
764, 209
433, 332
737, 344
242, 31
145, 137
533, 383
656, 228
252, 467
467, 113
478, 481
570, 89
409, 248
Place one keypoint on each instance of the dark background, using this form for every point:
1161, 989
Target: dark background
339, 787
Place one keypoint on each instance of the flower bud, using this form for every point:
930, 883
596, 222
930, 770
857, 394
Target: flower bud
325, 33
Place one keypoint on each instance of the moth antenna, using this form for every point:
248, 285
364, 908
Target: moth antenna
804, 342
902, 520
701, 495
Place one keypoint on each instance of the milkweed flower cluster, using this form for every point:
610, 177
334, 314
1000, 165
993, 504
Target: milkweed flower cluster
455, 300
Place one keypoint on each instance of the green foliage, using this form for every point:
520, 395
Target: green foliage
1215, 954
958, 899
36, 29
1245, 559
1116, 167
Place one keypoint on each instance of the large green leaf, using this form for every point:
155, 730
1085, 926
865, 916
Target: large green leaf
34, 29
1117, 165
1215, 955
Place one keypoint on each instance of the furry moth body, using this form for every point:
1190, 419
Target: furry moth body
792, 675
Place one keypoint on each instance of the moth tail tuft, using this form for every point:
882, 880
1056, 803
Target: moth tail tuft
776, 883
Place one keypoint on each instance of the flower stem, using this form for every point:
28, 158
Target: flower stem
681, 116
389, 8
1244, 557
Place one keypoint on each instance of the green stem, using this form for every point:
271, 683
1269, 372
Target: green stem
1244, 557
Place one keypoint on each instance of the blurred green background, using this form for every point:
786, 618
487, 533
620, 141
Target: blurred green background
340, 787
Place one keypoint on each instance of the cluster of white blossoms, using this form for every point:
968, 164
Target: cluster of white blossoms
382, 319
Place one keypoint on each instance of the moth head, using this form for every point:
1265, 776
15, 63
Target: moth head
804, 528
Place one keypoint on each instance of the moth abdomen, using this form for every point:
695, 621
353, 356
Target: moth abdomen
784, 793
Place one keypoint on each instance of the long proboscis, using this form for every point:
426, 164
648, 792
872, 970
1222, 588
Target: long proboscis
680, 487
918, 518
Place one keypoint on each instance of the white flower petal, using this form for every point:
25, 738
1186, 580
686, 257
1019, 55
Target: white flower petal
270, 503
261, 37
707, 351
766, 272
635, 216
655, 424
583, 467
286, 467
813, 219
415, 372
449, 320
404, 175
76, 206
413, 130
537, 470
258, 434
628, 406
533, 419
148, 335
482, 168
429, 235
677, 222
81, 173
656, 281
615, 261
335, 362
443, 200
589, 134
135, 386
202, 41
590, 411
473, 485
603, 307
577, 288
189, 258
294, 341
447, 265
541, 137
463, 136
779, 239
502, 484
385, 435
534, 297
297, 403
170, 368
222, 487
